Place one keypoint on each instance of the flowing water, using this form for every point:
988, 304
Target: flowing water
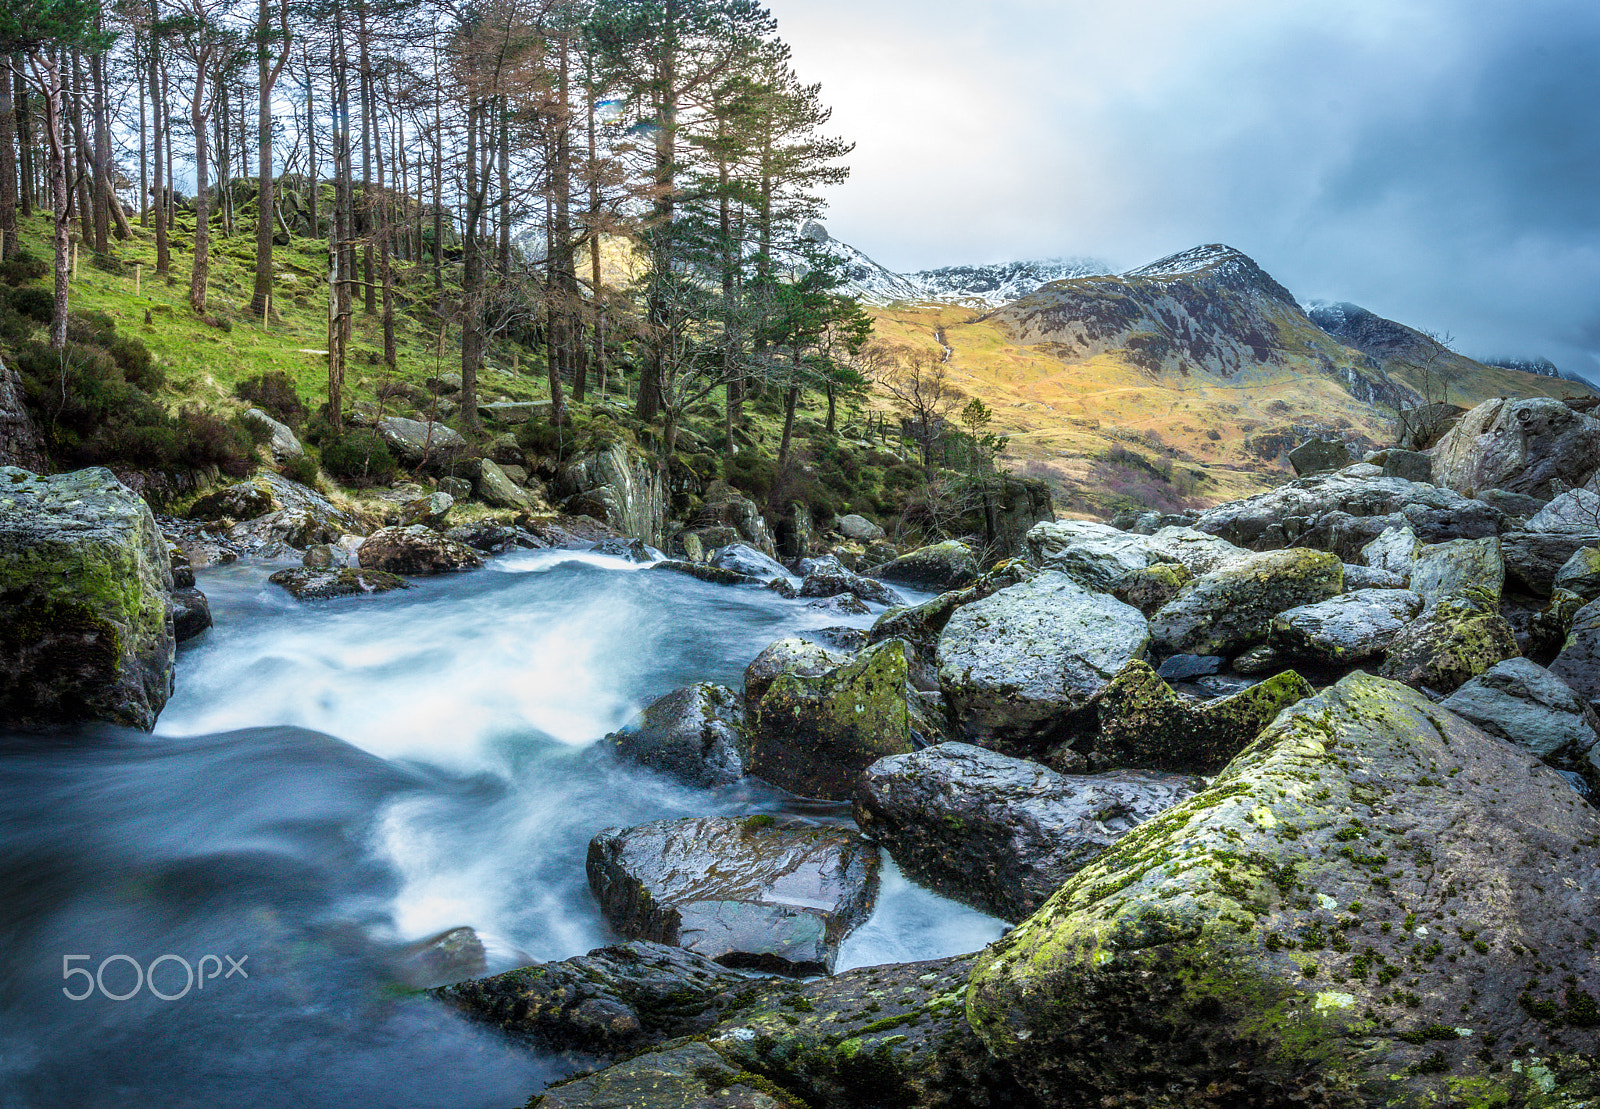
332, 782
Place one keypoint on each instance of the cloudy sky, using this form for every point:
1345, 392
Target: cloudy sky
1437, 161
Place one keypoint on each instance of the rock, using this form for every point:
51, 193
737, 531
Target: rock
1580, 574
1535, 446
1408, 465
321, 585
1306, 930
86, 630
1095, 556
1178, 667
611, 1001
1259, 660
430, 511
1342, 514
813, 735
416, 551
20, 441
455, 487
1421, 427
744, 559
859, 528
1152, 587
848, 640
454, 955
1574, 510
445, 384
322, 556
1395, 551
705, 572
1346, 629
1138, 721
828, 578
1365, 577
629, 550
1014, 666
1534, 558
727, 508
282, 444
495, 488
695, 734
191, 614
417, 441
800, 657
271, 509
1318, 456
1456, 639
1199, 552
753, 893
1578, 664
997, 833
845, 604
494, 537
685, 1076
1451, 569
244, 501
919, 626
514, 411
1527, 705
937, 567
1226, 611
503, 449
1516, 506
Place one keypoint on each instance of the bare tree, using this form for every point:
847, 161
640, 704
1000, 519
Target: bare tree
919, 381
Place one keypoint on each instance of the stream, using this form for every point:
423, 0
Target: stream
332, 782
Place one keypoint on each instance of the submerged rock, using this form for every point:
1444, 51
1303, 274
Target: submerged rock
998, 833
1226, 611
86, 627
1311, 926
415, 550
695, 734
321, 585
751, 892
454, 955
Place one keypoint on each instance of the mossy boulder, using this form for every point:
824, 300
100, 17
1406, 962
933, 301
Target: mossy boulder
1151, 587
1229, 610
695, 734
1450, 569
1138, 721
687, 1075
814, 735
1346, 629
1458, 638
305, 584
1578, 664
1375, 904
920, 626
86, 625
415, 551
800, 657
939, 566
1017, 666
1580, 574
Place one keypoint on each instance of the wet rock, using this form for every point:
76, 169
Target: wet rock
1535, 446
321, 585
1178, 667
695, 734
744, 559
282, 444
1578, 664
1457, 639
1527, 705
613, 1000
243, 501
454, 955
1199, 552
630, 550
494, 537
1139, 721
726, 507
1341, 513
827, 577
1365, 577
271, 509
813, 735
845, 604
1451, 569
322, 556
848, 640
1015, 665
684, 1076
417, 441
1395, 551
705, 572
800, 657
937, 567
783, 587
191, 614
997, 833
1096, 556
495, 487
1534, 558
745, 892
1228, 610
1346, 629
859, 528
1259, 660
415, 551
86, 630
1343, 882
1318, 456
919, 626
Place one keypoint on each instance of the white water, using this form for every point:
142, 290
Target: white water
448, 774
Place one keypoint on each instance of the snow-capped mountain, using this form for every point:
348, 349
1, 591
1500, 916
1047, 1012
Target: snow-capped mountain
987, 286
1541, 366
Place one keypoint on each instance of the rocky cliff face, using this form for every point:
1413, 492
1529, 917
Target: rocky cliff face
20, 442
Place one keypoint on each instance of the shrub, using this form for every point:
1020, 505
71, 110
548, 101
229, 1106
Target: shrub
14, 326
274, 394
751, 474
302, 469
360, 457
33, 302
23, 268
204, 438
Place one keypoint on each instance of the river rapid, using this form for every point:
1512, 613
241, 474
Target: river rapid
334, 781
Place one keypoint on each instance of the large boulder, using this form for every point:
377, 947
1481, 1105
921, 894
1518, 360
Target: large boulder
695, 734
800, 657
1444, 570
306, 584
1534, 558
744, 559
1346, 629
919, 626
86, 629
814, 735
1525, 704
1573, 510
1199, 552
939, 567
1535, 446
1308, 930
1318, 456
417, 441
1458, 638
1096, 556
1343, 512
415, 551
1580, 574
282, 444
859, 528
270, 509
726, 508
745, 892
1018, 664
1226, 611
495, 488
999, 833
1394, 551
828, 577
1578, 664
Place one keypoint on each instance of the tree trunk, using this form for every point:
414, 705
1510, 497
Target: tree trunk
472, 276
791, 401
159, 118
105, 195
8, 163
24, 122
48, 71
141, 60
369, 302
266, 76
199, 272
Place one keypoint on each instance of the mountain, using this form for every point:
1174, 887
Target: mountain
1541, 366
